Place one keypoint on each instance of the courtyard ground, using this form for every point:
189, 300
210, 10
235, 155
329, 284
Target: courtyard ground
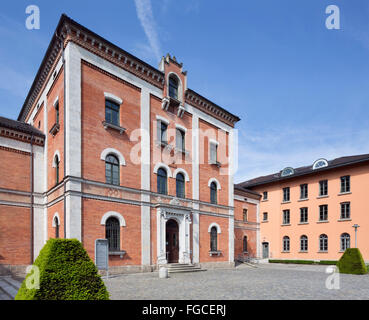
266, 281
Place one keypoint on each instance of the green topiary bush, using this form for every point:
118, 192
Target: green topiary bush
352, 262
66, 273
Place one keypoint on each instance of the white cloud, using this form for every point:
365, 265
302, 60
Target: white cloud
146, 17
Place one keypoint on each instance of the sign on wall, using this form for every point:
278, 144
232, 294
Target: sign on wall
102, 254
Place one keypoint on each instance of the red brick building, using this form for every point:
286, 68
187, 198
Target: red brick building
107, 146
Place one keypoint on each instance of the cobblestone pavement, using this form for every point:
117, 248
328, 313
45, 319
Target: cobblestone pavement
267, 281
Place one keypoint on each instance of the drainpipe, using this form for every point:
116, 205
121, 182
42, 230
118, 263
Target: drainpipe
61, 41
32, 201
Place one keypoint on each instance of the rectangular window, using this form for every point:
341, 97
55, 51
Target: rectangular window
286, 216
303, 191
57, 112
345, 184
162, 129
265, 216
213, 152
286, 194
323, 188
244, 215
265, 195
111, 113
345, 210
180, 140
303, 215
323, 212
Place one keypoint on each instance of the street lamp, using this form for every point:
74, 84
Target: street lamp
355, 226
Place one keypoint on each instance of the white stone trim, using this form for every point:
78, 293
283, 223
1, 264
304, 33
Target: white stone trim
56, 101
180, 170
212, 141
112, 97
115, 214
211, 180
214, 224
249, 200
164, 166
56, 153
53, 221
108, 151
178, 126
162, 119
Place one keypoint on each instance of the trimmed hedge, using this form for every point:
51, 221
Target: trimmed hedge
66, 273
324, 262
352, 262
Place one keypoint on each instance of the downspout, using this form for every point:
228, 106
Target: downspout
32, 201
61, 41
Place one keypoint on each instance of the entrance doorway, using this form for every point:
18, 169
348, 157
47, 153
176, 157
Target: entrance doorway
265, 250
172, 243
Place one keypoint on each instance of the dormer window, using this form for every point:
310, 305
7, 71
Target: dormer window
287, 172
173, 87
320, 163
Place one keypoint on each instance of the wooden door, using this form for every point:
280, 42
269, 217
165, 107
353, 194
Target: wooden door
172, 241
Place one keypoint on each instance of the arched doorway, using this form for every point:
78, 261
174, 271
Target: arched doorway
172, 242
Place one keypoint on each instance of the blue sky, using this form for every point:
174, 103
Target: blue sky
301, 90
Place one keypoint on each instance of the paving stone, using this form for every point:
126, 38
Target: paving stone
269, 281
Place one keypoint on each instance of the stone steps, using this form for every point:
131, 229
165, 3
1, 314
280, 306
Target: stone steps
182, 268
8, 288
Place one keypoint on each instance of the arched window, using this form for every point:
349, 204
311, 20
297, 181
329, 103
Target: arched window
345, 241
286, 244
213, 239
162, 181
173, 87
213, 193
56, 222
57, 162
244, 244
323, 242
304, 243
180, 185
112, 170
112, 233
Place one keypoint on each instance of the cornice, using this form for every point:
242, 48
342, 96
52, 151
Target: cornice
196, 100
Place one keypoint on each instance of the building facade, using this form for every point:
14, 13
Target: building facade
308, 213
114, 148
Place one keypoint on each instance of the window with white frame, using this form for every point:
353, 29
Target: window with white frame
303, 191
180, 140
213, 152
323, 242
345, 210
323, 212
286, 216
304, 243
303, 215
345, 241
345, 184
323, 188
286, 244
